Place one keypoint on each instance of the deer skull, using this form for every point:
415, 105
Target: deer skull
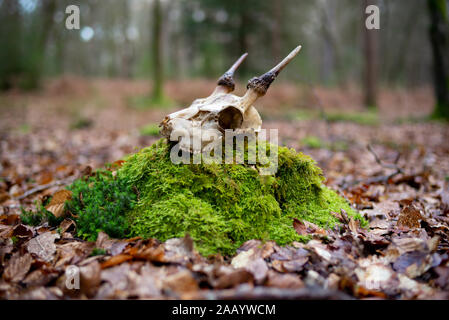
221, 111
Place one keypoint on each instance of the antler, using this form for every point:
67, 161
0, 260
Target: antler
258, 86
226, 82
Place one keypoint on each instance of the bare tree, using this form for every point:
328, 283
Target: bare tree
276, 30
371, 61
439, 38
158, 67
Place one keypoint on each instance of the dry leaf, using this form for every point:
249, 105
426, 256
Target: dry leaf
116, 260
43, 246
409, 218
56, 205
18, 267
181, 282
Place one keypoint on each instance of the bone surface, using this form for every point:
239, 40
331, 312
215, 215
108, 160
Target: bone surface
206, 119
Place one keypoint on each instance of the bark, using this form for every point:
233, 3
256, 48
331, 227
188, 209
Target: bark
371, 61
439, 39
158, 68
11, 33
276, 31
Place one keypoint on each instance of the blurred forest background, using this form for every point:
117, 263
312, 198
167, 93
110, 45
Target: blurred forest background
179, 39
165, 53
367, 105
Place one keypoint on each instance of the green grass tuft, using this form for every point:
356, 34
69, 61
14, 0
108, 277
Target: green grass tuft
150, 130
369, 117
100, 203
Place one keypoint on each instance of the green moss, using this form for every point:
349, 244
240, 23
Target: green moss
39, 216
99, 203
219, 205
150, 130
313, 142
222, 206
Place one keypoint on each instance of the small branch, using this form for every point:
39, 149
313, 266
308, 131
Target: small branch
383, 164
378, 179
44, 186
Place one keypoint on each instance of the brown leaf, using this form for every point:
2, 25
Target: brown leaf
116, 260
66, 225
306, 228
43, 246
90, 278
251, 261
300, 227
18, 267
181, 282
178, 250
72, 252
45, 178
150, 253
56, 205
409, 218
40, 277
338, 216
9, 219
232, 277
284, 281
146, 285
413, 264
353, 225
296, 265
6, 232
23, 231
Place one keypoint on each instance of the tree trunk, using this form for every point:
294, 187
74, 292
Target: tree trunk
371, 61
243, 38
439, 38
10, 53
158, 68
276, 31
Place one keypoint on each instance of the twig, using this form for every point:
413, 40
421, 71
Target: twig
45, 186
379, 179
383, 164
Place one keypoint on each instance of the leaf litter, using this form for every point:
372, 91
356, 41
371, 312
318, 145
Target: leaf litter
403, 254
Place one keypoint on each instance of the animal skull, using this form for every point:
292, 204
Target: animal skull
206, 120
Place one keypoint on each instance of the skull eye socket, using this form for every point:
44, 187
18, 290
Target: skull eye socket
230, 118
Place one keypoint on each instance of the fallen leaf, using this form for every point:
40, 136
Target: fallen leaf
45, 177
227, 277
413, 264
56, 205
409, 218
306, 228
285, 281
43, 246
90, 278
66, 225
17, 267
181, 282
23, 231
178, 250
116, 260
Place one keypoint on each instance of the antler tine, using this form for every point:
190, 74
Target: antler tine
226, 81
262, 83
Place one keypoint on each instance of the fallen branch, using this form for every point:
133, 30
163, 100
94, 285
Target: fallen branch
378, 179
45, 186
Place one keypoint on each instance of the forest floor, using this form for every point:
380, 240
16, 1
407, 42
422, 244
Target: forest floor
392, 165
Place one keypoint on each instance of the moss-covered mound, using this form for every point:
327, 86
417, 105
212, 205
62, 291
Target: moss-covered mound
220, 206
